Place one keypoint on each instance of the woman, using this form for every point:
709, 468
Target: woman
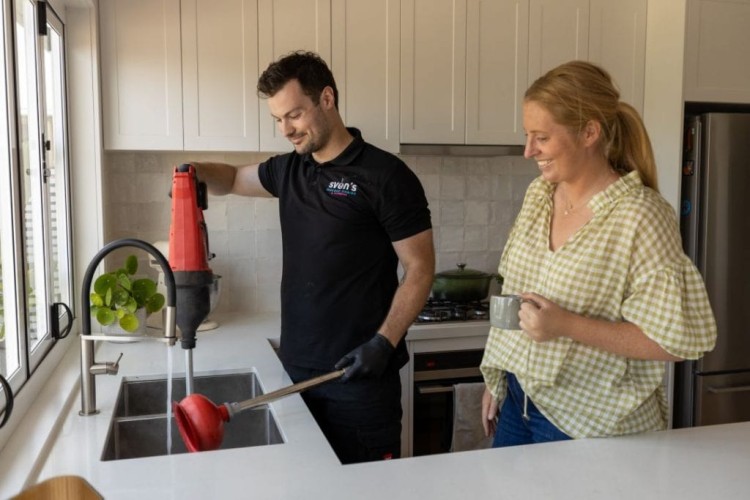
595, 252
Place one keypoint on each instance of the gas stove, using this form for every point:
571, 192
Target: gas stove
439, 311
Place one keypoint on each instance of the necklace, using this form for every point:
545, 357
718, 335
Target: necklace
569, 208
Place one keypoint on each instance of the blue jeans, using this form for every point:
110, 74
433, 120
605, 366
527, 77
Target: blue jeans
514, 429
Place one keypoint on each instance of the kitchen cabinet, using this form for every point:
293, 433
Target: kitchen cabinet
366, 63
219, 75
610, 34
285, 26
617, 41
466, 64
433, 71
204, 57
717, 49
141, 74
359, 39
463, 71
496, 71
558, 32
179, 75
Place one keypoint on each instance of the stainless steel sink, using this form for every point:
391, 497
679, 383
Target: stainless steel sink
139, 423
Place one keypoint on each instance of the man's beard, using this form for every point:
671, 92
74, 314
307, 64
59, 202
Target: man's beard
315, 144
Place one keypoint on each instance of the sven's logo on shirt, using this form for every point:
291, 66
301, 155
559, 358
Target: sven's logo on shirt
342, 188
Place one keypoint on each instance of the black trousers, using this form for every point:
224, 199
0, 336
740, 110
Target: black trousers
361, 419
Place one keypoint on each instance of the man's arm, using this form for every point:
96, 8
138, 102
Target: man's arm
222, 179
417, 257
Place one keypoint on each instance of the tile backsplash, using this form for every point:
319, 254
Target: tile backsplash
473, 201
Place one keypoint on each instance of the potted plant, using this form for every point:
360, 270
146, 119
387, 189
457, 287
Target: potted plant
119, 297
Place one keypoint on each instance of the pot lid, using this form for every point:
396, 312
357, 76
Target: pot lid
463, 273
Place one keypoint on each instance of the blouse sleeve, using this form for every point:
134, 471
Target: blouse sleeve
667, 298
671, 307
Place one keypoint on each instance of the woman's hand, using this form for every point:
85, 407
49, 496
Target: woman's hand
542, 319
489, 413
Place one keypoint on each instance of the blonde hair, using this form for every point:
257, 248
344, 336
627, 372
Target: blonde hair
576, 93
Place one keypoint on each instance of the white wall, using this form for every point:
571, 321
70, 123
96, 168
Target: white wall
663, 106
473, 201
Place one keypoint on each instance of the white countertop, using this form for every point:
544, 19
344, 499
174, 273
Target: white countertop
707, 462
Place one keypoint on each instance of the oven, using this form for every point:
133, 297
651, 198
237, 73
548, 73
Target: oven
435, 374
445, 347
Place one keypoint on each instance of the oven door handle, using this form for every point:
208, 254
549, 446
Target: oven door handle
434, 389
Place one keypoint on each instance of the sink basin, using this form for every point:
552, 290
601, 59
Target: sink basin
148, 395
139, 423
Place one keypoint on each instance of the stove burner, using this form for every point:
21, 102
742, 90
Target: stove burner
441, 310
431, 315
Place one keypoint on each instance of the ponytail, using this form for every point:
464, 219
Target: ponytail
630, 148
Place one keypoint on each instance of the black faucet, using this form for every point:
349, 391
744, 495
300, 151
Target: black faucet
88, 366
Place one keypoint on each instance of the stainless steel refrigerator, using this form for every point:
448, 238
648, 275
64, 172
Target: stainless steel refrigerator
715, 225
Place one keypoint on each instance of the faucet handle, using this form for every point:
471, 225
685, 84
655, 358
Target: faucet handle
108, 368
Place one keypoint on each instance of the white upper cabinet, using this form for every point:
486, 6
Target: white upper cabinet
220, 74
366, 65
285, 26
558, 32
141, 74
617, 41
496, 70
182, 74
433, 71
717, 51
610, 34
465, 64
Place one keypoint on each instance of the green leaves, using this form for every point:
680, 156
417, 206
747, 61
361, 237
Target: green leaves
117, 296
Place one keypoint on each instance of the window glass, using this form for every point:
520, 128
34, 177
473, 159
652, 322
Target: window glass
9, 352
56, 164
29, 153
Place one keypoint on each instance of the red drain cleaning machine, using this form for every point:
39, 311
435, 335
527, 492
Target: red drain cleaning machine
188, 257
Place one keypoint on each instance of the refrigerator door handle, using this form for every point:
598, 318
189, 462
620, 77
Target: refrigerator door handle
724, 390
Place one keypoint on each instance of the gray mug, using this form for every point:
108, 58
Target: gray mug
504, 311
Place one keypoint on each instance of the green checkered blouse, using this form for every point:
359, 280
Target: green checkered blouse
625, 264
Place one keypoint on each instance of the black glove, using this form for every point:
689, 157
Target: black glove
368, 360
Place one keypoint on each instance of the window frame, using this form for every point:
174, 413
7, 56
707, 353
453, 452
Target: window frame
30, 358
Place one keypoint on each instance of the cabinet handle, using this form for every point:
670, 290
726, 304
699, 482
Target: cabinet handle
723, 390
435, 389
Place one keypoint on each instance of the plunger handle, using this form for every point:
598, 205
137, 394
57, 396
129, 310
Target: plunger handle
235, 408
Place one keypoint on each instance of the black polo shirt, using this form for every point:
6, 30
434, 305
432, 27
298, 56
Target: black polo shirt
338, 222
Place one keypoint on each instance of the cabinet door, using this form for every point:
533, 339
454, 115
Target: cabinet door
285, 26
433, 71
220, 74
717, 51
366, 64
141, 74
617, 42
558, 33
496, 70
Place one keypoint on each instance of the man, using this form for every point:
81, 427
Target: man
350, 213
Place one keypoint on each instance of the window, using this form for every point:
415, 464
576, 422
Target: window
35, 233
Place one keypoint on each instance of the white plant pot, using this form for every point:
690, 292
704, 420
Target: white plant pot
115, 329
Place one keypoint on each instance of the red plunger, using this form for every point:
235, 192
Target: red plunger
201, 422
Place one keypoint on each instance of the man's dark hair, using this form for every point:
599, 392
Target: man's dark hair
307, 68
